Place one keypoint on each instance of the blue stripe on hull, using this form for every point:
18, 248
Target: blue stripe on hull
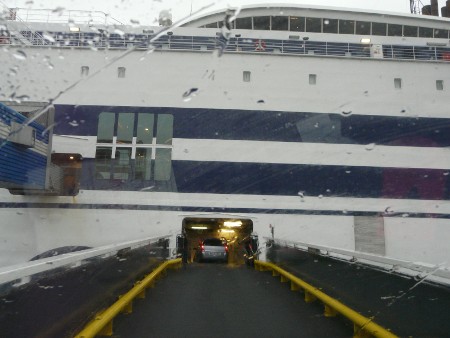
76, 206
286, 180
196, 123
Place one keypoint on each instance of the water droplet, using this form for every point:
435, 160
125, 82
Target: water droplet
20, 55
120, 32
348, 171
328, 190
29, 2
344, 211
186, 151
346, 113
316, 125
22, 98
446, 173
48, 37
19, 212
189, 94
301, 194
370, 146
405, 215
58, 10
260, 101
73, 123
388, 210
320, 196
134, 22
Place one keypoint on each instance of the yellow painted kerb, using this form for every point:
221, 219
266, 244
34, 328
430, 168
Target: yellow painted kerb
361, 323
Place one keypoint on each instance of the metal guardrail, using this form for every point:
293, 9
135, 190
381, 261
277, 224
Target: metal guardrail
102, 324
18, 271
61, 15
235, 44
431, 272
363, 326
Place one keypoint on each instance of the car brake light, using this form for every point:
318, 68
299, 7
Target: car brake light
203, 248
226, 248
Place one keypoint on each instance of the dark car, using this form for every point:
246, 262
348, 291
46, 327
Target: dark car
212, 249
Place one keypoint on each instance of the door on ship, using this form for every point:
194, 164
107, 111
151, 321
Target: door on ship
236, 232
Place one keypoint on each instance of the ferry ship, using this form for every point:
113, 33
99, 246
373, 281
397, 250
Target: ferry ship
300, 123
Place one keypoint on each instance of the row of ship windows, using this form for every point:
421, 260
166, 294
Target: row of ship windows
134, 146
336, 26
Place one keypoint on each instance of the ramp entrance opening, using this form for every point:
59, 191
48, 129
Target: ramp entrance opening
236, 232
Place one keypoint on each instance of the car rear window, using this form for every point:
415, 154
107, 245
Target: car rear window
212, 242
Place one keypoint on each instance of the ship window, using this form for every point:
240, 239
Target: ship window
330, 26
378, 28
398, 83
165, 129
441, 33
440, 84
314, 25
121, 72
211, 25
84, 70
163, 164
231, 24
103, 163
145, 129
346, 27
122, 164
296, 24
125, 126
244, 23
280, 23
143, 168
312, 79
246, 76
261, 22
394, 30
124, 159
425, 32
362, 27
410, 31
105, 130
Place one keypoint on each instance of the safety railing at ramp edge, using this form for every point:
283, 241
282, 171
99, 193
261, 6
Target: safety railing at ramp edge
102, 324
363, 326
420, 270
21, 271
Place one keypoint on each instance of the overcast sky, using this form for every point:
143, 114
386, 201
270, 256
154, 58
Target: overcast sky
147, 11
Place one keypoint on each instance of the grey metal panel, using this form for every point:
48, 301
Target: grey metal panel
369, 234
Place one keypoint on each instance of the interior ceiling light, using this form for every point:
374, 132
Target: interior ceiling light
199, 228
228, 231
365, 40
232, 224
74, 29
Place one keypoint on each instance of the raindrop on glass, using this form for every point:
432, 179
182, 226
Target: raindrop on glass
48, 37
370, 146
120, 32
346, 113
20, 55
73, 123
59, 10
320, 196
260, 101
189, 94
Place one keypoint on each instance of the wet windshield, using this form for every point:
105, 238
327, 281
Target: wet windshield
310, 136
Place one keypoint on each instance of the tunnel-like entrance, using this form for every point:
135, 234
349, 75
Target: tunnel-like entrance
235, 232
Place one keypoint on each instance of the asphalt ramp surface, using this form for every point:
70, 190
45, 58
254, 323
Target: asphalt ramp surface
219, 300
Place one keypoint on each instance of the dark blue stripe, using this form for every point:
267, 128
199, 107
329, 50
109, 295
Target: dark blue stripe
232, 124
6, 205
286, 180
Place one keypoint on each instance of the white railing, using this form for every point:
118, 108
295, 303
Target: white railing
416, 269
24, 270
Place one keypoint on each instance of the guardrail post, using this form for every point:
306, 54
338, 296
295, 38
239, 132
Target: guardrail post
329, 311
284, 279
358, 332
275, 273
294, 287
309, 297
